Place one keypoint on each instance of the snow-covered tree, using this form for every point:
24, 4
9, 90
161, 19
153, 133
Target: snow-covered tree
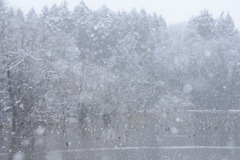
204, 24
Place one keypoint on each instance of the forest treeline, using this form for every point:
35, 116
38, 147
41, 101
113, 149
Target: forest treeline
68, 66
61, 65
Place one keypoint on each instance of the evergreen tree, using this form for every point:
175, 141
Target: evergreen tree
204, 24
225, 26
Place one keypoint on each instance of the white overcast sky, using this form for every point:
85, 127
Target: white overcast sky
173, 11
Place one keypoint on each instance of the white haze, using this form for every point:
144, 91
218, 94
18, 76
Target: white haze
173, 11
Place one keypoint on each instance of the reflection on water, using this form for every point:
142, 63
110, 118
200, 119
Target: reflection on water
169, 135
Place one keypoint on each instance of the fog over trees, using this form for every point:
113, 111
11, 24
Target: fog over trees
62, 66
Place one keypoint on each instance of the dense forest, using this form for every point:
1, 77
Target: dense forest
68, 66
